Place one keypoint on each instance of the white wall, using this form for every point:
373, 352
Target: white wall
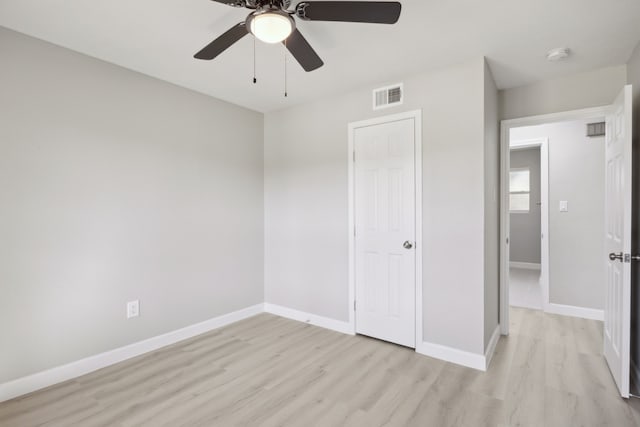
115, 186
306, 235
590, 89
576, 242
524, 233
491, 206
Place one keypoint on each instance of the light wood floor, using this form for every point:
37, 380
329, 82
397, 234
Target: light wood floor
269, 371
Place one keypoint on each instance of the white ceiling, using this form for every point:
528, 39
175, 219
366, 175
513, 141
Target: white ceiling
159, 38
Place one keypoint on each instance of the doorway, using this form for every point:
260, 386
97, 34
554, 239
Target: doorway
529, 222
572, 268
590, 271
385, 247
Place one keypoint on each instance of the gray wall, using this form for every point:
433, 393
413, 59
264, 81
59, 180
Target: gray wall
590, 89
576, 244
306, 233
633, 74
491, 206
524, 233
115, 186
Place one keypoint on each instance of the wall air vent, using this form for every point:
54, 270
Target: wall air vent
388, 96
596, 129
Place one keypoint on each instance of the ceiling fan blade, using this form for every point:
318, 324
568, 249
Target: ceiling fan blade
302, 51
223, 42
376, 12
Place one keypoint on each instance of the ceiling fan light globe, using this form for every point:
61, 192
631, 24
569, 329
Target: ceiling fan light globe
271, 27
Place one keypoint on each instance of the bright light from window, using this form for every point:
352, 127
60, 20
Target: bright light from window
519, 190
519, 180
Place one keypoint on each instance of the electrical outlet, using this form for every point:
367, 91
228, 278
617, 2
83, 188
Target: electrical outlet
133, 309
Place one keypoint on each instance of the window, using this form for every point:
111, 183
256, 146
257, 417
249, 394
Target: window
519, 190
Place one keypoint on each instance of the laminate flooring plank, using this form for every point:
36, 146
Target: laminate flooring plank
21, 406
251, 385
494, 382
319, 394
524, 400
275, 389
472, 409
588, 335
273, 404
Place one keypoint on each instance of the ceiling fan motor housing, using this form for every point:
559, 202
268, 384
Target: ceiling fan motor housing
236, 3
256, 4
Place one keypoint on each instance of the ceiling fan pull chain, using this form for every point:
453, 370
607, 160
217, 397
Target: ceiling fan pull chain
285, 68
254, 61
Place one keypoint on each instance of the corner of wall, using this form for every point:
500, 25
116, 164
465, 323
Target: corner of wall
491, 206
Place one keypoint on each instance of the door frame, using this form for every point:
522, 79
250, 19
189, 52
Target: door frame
543, 143
505, 129
416, 115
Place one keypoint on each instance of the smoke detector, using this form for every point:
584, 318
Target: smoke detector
558, 54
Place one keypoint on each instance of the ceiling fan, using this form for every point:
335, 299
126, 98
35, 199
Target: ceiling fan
272, 22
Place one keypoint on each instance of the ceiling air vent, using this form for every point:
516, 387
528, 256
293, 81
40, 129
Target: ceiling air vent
388, 96
596, 129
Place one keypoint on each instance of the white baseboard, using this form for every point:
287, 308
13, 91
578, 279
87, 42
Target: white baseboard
449, 354
525, 265
491, 348
312, 319
31, 383
570, 310
459, 357
52, 376
453, 355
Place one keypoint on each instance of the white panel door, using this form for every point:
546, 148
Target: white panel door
385, 262
618, 240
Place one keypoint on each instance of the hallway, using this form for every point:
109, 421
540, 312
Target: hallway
524, 288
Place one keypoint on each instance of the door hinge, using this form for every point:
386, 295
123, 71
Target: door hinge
354, 156
354, 305
629, 257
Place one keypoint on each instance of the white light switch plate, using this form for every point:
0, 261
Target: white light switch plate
564, 206
133, 309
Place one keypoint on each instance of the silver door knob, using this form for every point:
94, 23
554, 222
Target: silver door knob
407, 244
614, 256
